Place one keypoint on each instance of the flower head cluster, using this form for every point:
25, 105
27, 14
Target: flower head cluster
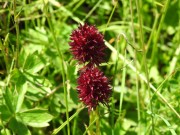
87, 46
93, 87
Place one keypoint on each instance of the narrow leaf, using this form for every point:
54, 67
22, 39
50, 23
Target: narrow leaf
8, 99
168, 125
22, 91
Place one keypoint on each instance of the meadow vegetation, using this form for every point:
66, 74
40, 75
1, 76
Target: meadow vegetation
38, 74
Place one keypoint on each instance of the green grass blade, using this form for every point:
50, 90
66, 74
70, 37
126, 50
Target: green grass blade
56, 131
129, 64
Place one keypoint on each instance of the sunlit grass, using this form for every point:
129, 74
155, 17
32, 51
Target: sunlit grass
38, 75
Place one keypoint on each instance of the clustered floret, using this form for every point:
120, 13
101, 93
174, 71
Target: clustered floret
87, 46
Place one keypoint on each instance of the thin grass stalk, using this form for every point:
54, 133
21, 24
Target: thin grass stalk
177, 52
137, 77
78, 5
57, 130
70, 13
129, 64
179, 24
91, 122
112, 102
63, 75
144, 58
75, 125
110, 17
163, 82
122, 86
155, 47
25, 14
89, 129
17, 33
62, 66
8, 23
97, 122
92, 10
4, 46
153, 31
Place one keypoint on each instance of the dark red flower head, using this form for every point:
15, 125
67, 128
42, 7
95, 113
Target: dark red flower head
93, 87
87, 44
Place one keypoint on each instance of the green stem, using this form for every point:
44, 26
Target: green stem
92, 10
112, 102
17, 33
155, 47
110, 17
5, 54
144, 57
129, 64
137, 77
78, 5
122, 87
56, 131
91, 122
152, 32
62, 64
75, 125
97, 122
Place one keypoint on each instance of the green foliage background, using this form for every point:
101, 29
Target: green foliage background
38, 73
